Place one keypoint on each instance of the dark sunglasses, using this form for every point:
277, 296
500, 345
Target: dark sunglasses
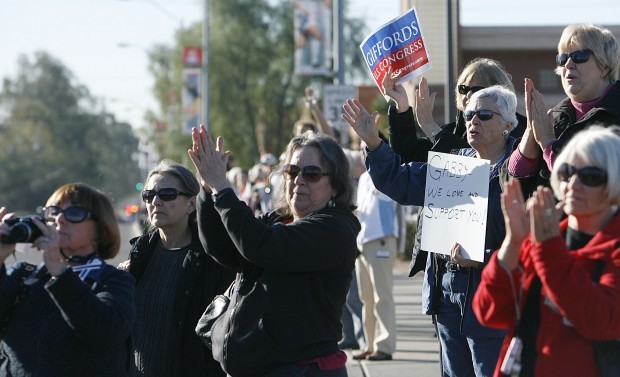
589, 176
578, 57
309, 173
166, 194
483, 114
73, 214
464, 89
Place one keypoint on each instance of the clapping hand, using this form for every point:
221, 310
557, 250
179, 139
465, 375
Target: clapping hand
210, 160
539, 118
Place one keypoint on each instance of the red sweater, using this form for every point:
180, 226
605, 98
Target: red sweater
566, 276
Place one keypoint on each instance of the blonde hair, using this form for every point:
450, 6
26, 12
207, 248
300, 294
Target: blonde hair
599, 40
485, 72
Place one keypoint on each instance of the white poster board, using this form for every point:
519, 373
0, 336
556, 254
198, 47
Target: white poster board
455, 204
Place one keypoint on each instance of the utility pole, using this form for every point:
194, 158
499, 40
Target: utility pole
205, 67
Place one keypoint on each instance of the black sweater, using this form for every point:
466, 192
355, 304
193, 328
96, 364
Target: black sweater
294, 280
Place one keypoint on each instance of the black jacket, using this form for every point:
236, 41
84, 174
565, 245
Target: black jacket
203, 279
606, 113
293, 282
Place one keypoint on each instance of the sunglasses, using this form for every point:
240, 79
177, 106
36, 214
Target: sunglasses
309, 173
483, 114
73, 214
166, 194
578, 57
464, 89
589, 176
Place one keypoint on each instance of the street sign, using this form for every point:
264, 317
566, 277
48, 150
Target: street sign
334, 96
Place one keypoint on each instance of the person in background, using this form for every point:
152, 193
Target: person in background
381, 219
295, 263
72, 314
176, 279
467, 347
588, 63
557, 287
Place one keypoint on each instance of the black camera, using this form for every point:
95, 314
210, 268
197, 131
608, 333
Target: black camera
22, 230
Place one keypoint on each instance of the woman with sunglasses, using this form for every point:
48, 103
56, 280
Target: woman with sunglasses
467, 347
588, 63
556, 288
175, 279
295, 263
478, 74
72, 314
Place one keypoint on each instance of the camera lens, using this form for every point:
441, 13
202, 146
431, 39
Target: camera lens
21, 232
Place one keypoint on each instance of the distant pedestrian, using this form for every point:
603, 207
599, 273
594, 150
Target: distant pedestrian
377, 241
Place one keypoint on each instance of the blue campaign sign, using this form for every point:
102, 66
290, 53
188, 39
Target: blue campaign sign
399, 45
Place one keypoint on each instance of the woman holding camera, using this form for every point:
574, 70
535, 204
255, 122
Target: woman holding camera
72, 314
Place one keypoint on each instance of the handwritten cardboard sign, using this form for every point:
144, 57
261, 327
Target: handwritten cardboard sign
397, 44
455, 204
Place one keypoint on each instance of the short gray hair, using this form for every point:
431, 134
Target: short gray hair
504, 100
596, 146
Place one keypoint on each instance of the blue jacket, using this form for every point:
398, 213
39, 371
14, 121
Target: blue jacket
405, 184
66, 326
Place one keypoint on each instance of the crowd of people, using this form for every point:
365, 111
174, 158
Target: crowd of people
303, 245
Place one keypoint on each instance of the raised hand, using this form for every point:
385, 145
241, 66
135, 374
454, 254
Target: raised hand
362, 123
395, 92
544, 215
209, 159
423, 108
5, 249
539, 117
517, 224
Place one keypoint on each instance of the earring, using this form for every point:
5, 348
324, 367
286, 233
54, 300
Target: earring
505, 133
331, 203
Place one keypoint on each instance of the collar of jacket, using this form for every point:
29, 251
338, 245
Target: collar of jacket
143, 247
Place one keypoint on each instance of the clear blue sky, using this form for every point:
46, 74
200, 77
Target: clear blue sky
84, 35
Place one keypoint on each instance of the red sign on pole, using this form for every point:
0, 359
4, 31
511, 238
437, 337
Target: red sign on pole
192, 57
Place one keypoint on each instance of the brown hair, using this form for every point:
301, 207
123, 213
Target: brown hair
101, 210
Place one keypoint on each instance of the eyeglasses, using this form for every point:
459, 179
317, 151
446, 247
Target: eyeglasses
578, 57
589, 176
464, 89
166, 194
483, 114
310, 173
73, 214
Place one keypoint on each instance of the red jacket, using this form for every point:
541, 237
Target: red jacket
566, 276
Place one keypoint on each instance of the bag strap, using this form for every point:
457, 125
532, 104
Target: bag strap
598, 271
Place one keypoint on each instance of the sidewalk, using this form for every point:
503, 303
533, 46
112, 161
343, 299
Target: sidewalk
417, 350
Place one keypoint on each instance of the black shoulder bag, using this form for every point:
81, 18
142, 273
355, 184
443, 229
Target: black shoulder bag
212, 313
